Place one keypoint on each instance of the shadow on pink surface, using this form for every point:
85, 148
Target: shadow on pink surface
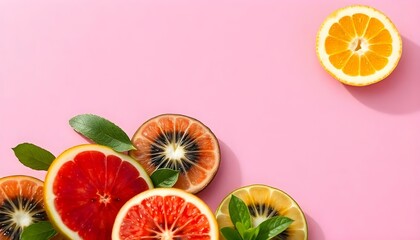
314, 230
227, 179
397, 94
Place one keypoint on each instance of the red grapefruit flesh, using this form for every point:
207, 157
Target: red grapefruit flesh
180, 143
165, 213
86, 186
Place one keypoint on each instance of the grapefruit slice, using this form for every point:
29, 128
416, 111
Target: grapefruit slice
180, 143
264, 202
21, 204
358, 45
165, 213
86, 186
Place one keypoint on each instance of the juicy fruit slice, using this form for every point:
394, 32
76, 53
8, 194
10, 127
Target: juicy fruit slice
86, 186
264, 202
165, 213
21, 204
358, 45
180, 143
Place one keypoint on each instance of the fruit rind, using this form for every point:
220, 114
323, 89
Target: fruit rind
20, 177
358, 80
68, 155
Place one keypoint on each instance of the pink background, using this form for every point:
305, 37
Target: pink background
247, 69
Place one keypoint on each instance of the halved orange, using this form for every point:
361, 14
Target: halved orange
180, 143
264, 202
165, 213
21, 204
86, 186
358, 45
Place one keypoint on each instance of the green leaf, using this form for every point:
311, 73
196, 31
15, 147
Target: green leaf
239, 212
101, 131
251, 233
38, 231
33, 156
230, 233
164, 177
241, 229
273, 227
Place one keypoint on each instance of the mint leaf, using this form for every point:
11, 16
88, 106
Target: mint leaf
101, 131
239, 212
33, 156
248, 234
251, 233
273, 227
38, 231
241, 229
230, 234
164, 177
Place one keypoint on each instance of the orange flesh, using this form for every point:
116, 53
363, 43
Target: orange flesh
345, 45
170, 216
15, 190
207, 153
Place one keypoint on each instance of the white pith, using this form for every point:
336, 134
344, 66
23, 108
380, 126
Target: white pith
69, 155
22, 218
258, 220
359, 45
359, 80
175, 152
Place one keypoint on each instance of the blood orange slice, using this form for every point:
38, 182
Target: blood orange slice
165, 213
21, 204
86, 186
181, 143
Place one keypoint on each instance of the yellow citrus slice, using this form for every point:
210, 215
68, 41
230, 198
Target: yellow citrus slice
358, 45
165, 213
86, 186
264, 202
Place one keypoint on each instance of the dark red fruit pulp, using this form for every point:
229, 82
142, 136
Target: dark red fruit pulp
91, 189
157, 215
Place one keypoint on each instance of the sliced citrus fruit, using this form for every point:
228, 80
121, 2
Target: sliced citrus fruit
180, 143
264, 202
358, 45
86, 186
21, 204
165, 213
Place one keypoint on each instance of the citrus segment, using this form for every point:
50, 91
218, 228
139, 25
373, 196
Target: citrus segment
339, 60
264, 202
21, 204
366, 67
337, 31
87, 185
180, 143
358, 45
374, 27
346, 23
165, 214
360, 22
